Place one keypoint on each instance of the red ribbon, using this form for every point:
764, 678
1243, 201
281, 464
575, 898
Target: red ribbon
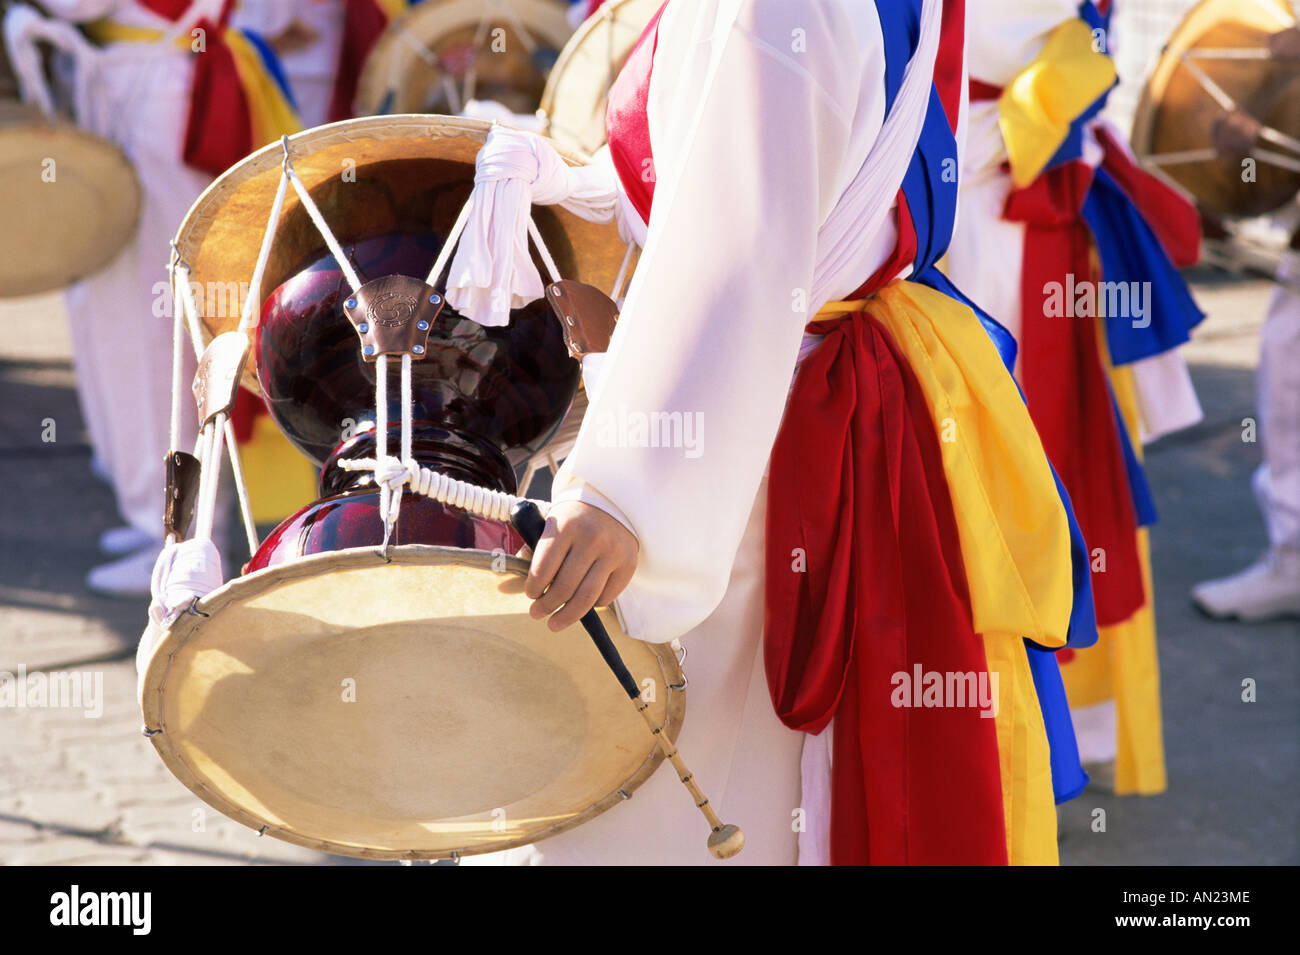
1066, 386
219, 129
858, 491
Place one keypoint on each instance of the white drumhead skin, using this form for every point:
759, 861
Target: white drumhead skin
407, 710
577, 90
69, 202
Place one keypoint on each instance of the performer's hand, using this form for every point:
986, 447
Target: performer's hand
1285, 45
584, 559
297, 36
1236, 133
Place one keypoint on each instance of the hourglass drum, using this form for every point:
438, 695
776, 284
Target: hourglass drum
372, 685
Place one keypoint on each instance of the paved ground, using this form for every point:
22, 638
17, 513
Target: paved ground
79, 790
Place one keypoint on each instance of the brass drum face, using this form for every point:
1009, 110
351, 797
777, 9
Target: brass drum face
578, 89
1177, 114
408, 710
442, 53
69, 201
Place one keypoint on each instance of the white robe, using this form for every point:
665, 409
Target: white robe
761, 117
137, 96
1277, 384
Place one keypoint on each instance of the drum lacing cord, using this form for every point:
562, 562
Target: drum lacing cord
213, 436
396, 476
219, 434
393, 474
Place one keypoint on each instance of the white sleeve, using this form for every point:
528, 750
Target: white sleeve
747, 160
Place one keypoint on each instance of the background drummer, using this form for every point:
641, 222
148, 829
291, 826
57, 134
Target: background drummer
139, 84
1270, 587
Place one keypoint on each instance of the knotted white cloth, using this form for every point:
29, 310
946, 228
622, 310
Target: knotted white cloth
183, 572
492, 271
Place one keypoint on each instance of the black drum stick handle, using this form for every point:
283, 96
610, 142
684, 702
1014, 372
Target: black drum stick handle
529, 523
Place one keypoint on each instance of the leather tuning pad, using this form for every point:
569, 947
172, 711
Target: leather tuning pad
393, 315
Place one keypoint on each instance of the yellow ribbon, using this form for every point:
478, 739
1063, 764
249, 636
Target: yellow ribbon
272, 114
1036, 109
106, 32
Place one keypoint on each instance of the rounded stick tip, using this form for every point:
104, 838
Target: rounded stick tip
726, 842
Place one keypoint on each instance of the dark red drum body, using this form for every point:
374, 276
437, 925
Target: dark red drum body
484, 399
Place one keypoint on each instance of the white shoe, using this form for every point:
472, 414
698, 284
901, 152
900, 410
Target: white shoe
1266, 589
120, 541
128, 576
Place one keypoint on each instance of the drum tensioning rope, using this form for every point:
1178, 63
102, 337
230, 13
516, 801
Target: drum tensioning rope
725, 840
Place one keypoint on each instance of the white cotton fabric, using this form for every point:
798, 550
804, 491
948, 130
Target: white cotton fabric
1094, 728
492, 271
183, 571
739, 254
494, 112
1003, 36
1166, 397
1277, 479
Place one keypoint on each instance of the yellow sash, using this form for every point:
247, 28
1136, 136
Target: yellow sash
1036, 109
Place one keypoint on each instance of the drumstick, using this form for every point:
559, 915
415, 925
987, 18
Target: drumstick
725, 840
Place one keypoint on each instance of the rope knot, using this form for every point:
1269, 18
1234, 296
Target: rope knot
395, 474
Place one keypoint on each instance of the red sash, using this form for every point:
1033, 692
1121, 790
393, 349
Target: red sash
857, 482
219, 130
1066, 385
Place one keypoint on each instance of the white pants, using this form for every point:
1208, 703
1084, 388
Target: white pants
743, 757
121, 332
1277, 480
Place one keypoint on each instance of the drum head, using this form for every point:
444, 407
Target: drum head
403, 710
1176, 114
69, 201
368, 176
578, 88
453, 42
